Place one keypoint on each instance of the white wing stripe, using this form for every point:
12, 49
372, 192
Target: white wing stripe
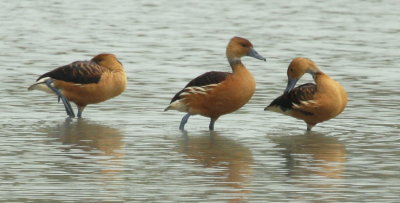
198, 89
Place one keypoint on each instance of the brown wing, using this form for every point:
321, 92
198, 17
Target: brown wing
80, 72
299, 94
212, 77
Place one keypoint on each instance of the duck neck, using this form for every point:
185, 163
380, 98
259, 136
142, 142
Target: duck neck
236, 64
323, 81
316, 75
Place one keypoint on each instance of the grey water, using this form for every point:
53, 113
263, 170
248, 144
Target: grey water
128, 150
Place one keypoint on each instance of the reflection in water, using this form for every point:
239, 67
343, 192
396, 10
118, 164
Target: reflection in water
91, 138
231, 160
312, 154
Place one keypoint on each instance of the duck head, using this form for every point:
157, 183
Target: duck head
107, 60
239, 47
297, 68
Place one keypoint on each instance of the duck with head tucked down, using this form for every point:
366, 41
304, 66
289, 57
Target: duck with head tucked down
84, 82
215, 93
313, 103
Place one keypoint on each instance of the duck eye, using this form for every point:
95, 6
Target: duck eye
243, 44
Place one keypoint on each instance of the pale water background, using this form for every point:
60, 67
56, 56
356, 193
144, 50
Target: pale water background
128, 150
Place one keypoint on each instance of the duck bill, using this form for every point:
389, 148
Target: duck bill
291, 84
253, 53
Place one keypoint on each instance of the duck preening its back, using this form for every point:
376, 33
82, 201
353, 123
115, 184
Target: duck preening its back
84, 82
313, 103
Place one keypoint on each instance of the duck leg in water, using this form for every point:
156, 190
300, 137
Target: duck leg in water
67, 105
211, 126
184, 121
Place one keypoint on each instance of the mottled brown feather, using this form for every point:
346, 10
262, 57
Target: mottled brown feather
212, 77
79, 72
301, 93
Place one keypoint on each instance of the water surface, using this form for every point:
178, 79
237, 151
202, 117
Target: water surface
128, 149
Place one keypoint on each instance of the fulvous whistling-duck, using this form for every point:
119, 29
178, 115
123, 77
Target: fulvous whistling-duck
84, 82
313, 103
213, 94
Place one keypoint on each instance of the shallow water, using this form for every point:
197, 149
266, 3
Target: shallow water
128, 149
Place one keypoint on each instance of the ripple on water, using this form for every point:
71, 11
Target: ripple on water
128, 149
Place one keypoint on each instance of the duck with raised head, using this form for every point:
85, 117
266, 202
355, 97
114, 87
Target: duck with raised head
84, 82
215, 93
313, 103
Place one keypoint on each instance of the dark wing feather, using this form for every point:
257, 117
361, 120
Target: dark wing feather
80, 72
212, 77
301, 93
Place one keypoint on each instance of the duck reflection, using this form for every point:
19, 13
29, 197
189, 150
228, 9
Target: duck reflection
88, 136
231, 159
312, 154
91, 138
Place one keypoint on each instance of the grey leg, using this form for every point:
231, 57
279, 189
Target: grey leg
211, 126
67, 105
184, 121
309, 127
80, 110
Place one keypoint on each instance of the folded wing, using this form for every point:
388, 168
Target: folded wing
79, 72
299, 99
202, 83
